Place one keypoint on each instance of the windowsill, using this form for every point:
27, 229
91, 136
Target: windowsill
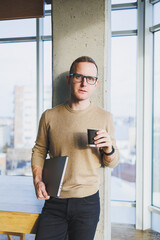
122, 204
154, 209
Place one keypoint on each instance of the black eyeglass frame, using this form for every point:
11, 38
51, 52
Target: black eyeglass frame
83, 76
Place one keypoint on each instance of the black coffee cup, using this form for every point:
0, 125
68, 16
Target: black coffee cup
91, 135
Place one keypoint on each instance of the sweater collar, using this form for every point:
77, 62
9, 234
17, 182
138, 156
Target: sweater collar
78, 111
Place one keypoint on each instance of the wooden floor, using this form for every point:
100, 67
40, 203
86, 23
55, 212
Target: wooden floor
128, 232
119, 232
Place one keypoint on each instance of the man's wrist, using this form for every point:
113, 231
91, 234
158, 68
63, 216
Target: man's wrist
110, 152
37, 174
37, 180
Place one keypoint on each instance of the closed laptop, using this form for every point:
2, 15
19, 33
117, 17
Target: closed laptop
53, 174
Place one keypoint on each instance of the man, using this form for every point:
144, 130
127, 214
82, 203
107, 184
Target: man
63, 131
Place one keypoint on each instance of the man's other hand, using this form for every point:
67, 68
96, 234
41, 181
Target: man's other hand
38, 184
41, 191
103, 141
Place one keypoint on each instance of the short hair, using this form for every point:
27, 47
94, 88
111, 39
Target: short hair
82, 59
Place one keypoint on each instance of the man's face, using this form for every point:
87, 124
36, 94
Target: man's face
81, 91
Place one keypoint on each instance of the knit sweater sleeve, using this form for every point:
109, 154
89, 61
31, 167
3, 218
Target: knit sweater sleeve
40, 149
116, 159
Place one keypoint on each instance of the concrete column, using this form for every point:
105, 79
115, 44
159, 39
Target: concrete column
81, 28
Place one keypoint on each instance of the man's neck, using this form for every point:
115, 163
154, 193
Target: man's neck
80, 105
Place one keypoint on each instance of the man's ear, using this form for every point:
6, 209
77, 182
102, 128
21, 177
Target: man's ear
68, 79
96, 84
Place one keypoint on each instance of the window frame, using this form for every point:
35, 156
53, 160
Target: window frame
38, 39
144, 112
124, 33
153, 29
34, 206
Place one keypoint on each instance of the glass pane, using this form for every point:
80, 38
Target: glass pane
47, 25
47, 74
124, 20
47, 6
18, 113
123, 107
17, 28
156, 122
156, 10
122, 1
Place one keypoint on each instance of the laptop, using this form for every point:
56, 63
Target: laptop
53, 174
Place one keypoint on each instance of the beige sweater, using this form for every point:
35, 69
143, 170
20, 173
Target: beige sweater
63, 131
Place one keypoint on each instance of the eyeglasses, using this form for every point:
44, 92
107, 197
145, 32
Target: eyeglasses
79, 78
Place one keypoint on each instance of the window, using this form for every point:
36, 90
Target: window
124, 20
156, 11
18, 72
123, 99
47, 74
122, 1
123, 107
156, 123
18, 28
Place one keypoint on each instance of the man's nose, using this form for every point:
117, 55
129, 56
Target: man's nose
84, 81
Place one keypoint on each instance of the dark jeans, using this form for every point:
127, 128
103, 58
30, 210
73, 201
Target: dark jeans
75, 217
